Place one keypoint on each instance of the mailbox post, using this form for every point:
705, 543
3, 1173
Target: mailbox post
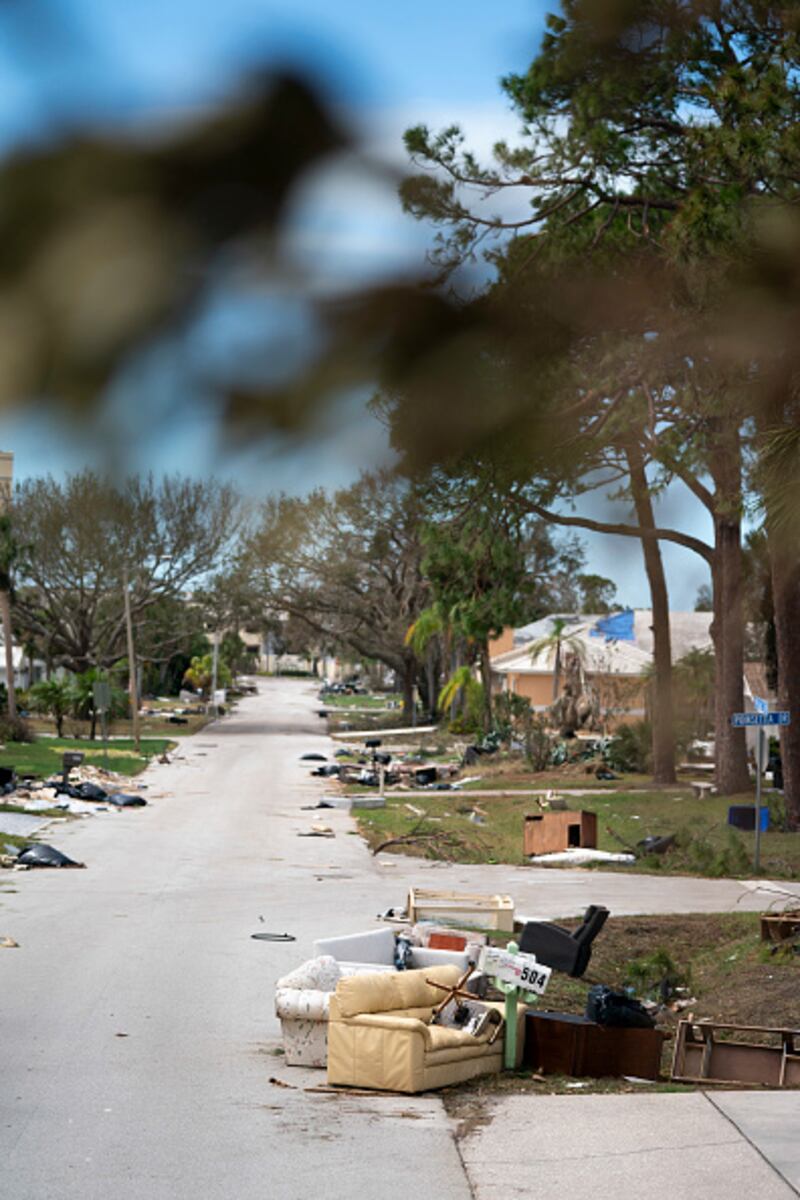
70, 759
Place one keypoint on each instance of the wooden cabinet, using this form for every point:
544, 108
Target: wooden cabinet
565, 1044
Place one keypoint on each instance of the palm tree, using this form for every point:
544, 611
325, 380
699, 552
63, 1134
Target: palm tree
54, 698
559, 641
421, 638
462, 681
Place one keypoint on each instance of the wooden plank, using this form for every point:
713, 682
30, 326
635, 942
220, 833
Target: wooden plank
354, 735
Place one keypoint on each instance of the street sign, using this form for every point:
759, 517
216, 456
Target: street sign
102, 695
761, 718
761, 706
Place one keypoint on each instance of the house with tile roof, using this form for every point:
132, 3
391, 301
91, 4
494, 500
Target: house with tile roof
615, 652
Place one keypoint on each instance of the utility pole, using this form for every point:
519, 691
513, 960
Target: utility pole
132, 688
6, 485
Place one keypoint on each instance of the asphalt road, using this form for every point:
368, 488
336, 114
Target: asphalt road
137, 1035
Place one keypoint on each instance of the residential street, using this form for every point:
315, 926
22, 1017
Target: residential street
153, 942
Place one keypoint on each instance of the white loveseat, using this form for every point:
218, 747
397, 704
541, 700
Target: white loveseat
301, 1001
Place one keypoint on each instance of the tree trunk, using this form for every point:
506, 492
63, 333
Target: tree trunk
59, 726
8, 637
786, 594
486, 681
408, 678
727, 626
430, 673
663, 737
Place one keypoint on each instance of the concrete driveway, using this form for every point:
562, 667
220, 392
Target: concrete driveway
137, 1037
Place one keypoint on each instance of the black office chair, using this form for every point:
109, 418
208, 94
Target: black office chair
561, 949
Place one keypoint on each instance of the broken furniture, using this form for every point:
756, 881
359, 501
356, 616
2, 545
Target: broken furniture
375, 950
301, 1001
486, 912
561, 949
778, 927
550, 832
565, 1044
380, 1035
702, 1056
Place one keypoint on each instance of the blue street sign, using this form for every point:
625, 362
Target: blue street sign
760, 705
760, 718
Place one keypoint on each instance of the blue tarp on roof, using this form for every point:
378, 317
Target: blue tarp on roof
616, 627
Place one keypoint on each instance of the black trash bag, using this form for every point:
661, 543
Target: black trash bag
64, 789
616, 1010
312, 758
37, 854
328, 770
177, 721
341, 754
424, 776
656, 843
126, 800
6, 776
90, 791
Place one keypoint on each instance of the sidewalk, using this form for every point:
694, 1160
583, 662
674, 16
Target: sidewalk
699, 1146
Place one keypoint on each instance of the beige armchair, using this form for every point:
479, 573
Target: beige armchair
380, 1036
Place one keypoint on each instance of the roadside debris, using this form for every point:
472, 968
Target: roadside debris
8, 943
38, 854
707, 1052
126, 800
579, 858
318, 831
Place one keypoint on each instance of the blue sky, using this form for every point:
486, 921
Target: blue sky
387, 67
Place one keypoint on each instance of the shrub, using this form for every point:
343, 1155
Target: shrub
15, 729
702, 856
655, 975
630, 748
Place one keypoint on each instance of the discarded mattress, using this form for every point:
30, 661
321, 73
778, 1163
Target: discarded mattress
579, 857
40, 855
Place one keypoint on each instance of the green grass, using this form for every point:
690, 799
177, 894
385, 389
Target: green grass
46, 812
150, 727
553, 780
709, 846
43, 758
